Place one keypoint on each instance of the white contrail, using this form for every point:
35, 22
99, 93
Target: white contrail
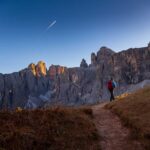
51, 25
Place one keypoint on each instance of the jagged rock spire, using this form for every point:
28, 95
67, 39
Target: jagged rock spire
102, 55
83, 64
93, 59
39, 69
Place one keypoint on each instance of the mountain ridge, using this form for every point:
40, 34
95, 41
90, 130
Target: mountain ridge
38, 86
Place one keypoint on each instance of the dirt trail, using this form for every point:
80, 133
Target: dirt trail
114, 136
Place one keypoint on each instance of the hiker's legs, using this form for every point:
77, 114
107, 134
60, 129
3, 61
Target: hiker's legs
112, 95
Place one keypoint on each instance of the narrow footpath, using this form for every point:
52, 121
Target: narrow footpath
113, 135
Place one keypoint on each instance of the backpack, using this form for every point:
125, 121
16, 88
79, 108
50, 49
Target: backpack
110, 85
114, 84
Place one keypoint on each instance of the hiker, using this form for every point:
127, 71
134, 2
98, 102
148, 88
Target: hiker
111, 85
11, 99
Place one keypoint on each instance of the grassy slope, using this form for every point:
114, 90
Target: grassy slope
134, 110
52, 129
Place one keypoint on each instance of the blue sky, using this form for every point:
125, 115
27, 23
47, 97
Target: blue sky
81, 27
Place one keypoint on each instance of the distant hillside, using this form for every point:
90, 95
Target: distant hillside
38, 86
51, 129
134, 110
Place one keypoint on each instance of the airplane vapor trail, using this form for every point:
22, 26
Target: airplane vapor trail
51, 25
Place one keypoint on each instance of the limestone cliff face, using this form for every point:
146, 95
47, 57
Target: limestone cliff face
104, 55
32, 67
39, 69
55, 71
130, 66
36, 86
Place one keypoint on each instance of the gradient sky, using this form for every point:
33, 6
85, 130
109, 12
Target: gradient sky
65, 31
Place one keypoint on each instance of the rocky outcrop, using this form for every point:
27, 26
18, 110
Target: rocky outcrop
36, 86
93, 59
132, 66
104, 55
83, 64
127, 67
54, 71
39, 69
32, 67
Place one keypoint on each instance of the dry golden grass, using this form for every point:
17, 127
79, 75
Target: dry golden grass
134, 110
49, 129
122, 96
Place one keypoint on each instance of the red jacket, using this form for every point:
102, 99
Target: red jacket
109, 85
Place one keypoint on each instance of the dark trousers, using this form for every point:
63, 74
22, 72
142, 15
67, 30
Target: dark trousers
111, 94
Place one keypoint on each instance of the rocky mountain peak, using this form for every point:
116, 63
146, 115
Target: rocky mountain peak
32, 67
103, 55
39, 69
83, 64
105, 51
